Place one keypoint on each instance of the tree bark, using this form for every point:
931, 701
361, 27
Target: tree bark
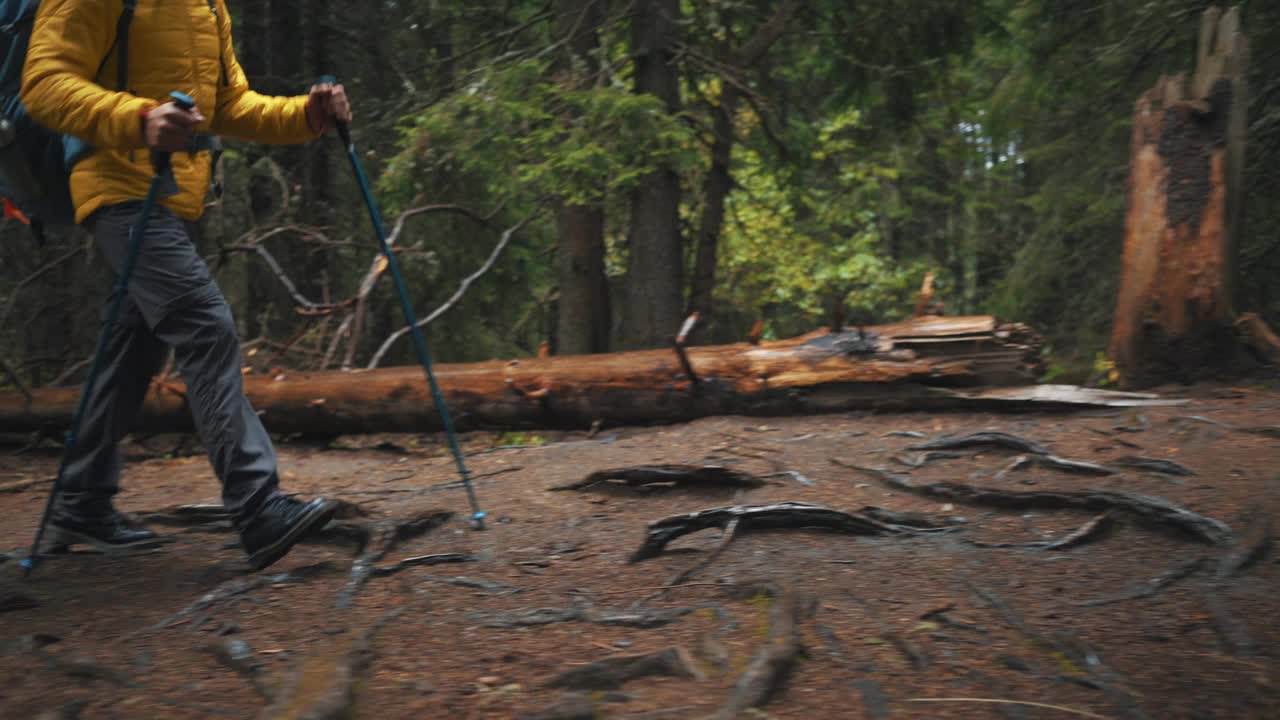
655, 264
916, 364
719, 181
1174, 314
584, 315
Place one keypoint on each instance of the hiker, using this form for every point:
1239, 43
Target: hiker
70, 85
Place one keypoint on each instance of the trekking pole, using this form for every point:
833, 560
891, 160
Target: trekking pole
411, 319
159, 181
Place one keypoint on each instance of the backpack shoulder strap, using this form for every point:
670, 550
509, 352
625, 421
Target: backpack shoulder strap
122, 43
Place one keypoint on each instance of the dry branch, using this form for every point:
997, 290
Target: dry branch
1164, 467
1153, 510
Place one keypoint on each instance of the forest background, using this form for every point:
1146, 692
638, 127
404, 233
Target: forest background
611, 166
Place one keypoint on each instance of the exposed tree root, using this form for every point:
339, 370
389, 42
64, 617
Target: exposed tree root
1233, 636
614, 672
1083, 658
1151, 587
1086, 533
1249, 547
478, 584
984, 440
919, 460
84, 669
546, 616
786, 515
648, 476
773, 662
422, 561
918, 658
1077, 467
326, 686
20, 485
919, 521
235, 654
385, 536
13, 600
241, 586
1153, 510
1164, 467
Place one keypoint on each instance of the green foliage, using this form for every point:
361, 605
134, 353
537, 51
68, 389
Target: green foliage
518, 133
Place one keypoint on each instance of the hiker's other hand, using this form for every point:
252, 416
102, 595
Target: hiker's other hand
327, 105
168, 128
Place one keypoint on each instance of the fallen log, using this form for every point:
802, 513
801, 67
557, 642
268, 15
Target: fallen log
922, 364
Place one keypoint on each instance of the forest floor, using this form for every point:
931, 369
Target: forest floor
1160, 619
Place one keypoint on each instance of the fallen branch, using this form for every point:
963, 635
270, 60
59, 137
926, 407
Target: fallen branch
614, 672
457, 295
1077, 467
916, 520
785, 515
477, 584
999, 440
1152, 586
773, 662
1153, 510
669, 475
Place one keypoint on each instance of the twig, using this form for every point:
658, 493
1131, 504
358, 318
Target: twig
17, 381
1073, 711
459, 293
657, 587
1152, 586
13, 296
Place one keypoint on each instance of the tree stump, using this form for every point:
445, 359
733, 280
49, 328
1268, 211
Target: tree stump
1175, 313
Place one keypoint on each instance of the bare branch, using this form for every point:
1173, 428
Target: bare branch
460, 292
41, 272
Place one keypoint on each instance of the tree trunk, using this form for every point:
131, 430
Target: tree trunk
1174, 314
923, 363
719, 181
655, 265
584, 312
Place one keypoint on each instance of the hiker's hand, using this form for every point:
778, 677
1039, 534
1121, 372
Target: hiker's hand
326, 106
168, 128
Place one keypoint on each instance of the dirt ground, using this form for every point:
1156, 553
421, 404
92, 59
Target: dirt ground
929, 625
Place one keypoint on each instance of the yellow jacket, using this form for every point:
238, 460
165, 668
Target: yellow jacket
182, 45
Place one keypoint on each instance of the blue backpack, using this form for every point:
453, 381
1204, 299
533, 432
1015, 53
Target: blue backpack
35, 163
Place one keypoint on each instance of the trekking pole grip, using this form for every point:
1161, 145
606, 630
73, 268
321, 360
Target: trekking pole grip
161, 159
344, 132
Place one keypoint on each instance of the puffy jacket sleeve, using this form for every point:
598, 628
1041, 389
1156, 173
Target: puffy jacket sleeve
68, 42
245, 114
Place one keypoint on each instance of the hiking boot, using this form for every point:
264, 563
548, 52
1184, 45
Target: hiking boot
279, 524
107, 532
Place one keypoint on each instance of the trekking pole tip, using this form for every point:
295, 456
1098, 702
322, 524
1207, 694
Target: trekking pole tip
27, 564
477, 519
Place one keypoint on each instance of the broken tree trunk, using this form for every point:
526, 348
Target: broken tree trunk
1174, 315
926, 363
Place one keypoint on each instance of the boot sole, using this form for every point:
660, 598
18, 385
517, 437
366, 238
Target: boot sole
61, 538
314, 519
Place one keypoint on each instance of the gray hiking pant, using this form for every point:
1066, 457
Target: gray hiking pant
172, 301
